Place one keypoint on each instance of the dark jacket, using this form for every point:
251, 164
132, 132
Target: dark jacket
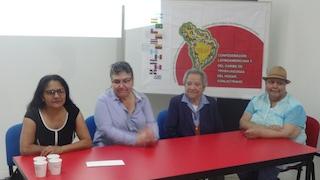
179, 122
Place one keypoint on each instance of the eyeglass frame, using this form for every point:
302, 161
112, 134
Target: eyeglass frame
125, 81
53, 92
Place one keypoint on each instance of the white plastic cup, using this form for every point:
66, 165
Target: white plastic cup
53, 156
40, 168
55, 166
39, 158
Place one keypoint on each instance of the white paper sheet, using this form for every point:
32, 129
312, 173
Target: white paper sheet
105, 163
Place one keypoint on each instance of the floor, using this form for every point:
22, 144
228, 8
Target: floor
290, 175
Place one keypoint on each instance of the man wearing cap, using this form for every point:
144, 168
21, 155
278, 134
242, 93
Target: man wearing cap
273, 114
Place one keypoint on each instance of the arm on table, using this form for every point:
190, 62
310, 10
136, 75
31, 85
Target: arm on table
104, 123
27, 138
150, 134
83, 135
253, 130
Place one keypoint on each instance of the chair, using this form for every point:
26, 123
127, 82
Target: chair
312, 132
162, 116
13, 144
91, 126
230, 111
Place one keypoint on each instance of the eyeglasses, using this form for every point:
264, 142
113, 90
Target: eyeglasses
117, 82
196, 84
53, 92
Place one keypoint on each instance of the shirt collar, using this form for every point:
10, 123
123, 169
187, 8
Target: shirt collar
203, 101
115, 97
278, 102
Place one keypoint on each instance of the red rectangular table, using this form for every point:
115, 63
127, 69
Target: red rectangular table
182, 158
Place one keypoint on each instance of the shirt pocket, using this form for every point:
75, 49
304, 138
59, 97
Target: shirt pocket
275, 117
138, 119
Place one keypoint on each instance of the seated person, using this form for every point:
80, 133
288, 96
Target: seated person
193, 113
52, 120
273, 114
123, 115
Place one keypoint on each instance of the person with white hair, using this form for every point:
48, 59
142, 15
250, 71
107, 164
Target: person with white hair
193, 113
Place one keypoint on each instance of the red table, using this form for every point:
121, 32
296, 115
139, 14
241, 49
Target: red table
184, 158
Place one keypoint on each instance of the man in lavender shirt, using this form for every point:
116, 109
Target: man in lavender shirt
123, 115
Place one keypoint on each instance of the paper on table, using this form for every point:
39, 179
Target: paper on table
105, 163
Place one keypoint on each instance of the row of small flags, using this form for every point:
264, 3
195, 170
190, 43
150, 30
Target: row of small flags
156, 40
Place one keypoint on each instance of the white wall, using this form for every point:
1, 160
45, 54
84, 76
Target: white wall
294, 43
83, 62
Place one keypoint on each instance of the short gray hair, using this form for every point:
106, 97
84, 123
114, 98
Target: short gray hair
202, 74
119, 67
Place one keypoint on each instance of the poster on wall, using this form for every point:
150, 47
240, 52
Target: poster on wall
227, 40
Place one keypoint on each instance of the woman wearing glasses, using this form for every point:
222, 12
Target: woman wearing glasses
123, 115
52, 120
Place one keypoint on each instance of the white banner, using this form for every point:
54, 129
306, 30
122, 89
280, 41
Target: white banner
227, 40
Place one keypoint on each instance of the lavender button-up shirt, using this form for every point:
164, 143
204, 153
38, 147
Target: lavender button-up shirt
115, 125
